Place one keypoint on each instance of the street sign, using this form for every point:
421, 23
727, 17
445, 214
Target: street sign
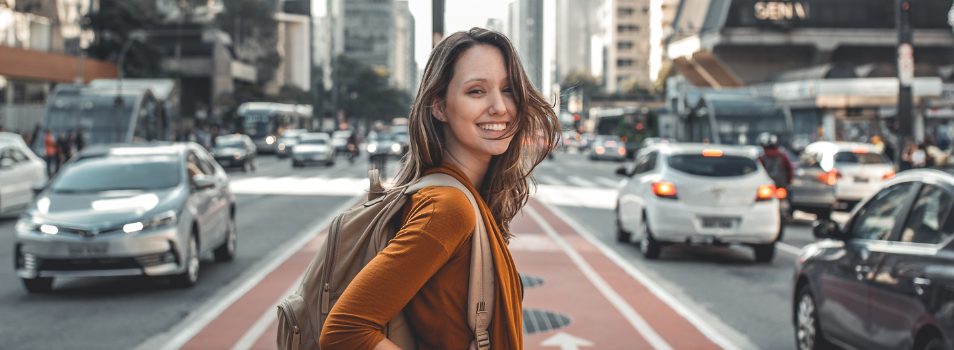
905, 64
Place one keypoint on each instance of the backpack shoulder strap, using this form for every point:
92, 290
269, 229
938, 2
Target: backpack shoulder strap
481, 286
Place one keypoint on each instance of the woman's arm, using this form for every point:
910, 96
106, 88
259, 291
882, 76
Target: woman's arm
439, 220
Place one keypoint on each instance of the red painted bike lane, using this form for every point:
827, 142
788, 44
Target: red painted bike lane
572, 277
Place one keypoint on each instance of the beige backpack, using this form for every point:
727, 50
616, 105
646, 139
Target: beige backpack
354, 238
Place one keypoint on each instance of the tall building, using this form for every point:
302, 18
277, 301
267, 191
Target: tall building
404, 66
496, 24
293, 42
662, 14
369, 32
525, 29
574, 28
628, 52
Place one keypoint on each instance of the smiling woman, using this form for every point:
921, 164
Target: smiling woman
474, 111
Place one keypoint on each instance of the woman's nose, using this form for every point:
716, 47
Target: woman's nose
497, 105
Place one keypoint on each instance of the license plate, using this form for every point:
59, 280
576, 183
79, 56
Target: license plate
713, 222
861, 179
88, 249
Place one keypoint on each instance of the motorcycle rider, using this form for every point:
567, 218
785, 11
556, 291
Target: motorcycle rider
776, 163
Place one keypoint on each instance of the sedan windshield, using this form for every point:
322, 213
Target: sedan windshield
119, 173
314, 141
725, 166
230, 144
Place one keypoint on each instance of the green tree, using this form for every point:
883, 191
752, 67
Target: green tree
112, 25
251, 23
366, 95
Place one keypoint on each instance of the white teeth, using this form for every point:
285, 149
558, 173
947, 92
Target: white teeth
494, 127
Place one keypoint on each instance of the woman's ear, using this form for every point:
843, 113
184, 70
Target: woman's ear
437, 110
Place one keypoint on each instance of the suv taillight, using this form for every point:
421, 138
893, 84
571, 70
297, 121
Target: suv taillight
765, 192
830, 177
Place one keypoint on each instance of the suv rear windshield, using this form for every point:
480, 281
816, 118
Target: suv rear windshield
859, 158
725, 166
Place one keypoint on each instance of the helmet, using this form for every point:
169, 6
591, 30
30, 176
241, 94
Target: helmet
768, 140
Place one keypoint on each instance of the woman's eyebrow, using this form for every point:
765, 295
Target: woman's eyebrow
483, 80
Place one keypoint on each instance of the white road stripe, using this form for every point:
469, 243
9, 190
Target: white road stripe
714, 334
181, 333
607, 182
788, 248
548, 180
638, 323
581, 182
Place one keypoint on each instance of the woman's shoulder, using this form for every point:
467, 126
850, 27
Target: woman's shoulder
447, 208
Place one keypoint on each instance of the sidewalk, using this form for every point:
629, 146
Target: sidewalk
577, 295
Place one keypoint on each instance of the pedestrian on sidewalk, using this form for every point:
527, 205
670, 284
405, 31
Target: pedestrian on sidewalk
50, 153
477, 118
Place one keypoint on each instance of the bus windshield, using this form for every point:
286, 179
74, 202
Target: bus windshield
258, 123
102, 118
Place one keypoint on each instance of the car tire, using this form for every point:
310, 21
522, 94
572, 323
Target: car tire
226, 251
808, 335
621, 235
190, 276
764, 253
649, 246
38, 284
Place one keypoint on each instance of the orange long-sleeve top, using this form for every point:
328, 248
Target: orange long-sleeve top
424, 271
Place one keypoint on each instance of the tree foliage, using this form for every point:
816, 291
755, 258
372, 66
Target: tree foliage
366, 95
112, 25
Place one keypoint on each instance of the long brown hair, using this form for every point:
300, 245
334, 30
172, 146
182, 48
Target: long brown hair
506, 185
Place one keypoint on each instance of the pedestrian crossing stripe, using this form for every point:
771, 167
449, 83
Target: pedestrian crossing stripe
590, 196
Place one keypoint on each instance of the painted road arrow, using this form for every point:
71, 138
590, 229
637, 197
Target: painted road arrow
566, 341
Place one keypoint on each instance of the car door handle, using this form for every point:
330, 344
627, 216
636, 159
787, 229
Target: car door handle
921, 281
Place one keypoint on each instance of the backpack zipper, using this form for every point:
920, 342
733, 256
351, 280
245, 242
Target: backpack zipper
287, 310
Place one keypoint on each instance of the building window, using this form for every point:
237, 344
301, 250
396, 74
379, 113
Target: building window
626, 28
625, 62
624, 45
645, 9
625, 11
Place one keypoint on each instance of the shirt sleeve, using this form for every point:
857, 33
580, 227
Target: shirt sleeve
439, 220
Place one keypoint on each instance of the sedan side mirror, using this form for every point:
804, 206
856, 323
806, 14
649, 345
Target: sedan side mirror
621, 171
202, 182
826, 229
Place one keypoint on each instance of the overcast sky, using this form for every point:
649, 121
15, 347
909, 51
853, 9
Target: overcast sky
458, 15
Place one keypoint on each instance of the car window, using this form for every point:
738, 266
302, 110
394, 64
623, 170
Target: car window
192, 165
931, 220
722, 166
877, 218
206, 164
19, 155
646, 164
859, 158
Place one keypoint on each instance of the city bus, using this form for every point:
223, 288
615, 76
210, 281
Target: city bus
736, 119
264, 122
106, 113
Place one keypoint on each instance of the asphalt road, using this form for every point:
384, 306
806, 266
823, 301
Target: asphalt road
748, 302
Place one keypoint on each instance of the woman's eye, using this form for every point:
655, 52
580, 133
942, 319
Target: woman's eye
475, 91
507, 90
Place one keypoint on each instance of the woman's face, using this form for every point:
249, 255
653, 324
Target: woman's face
478, 106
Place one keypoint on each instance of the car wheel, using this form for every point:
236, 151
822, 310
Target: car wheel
764, 252
621, 235
190, 276
38, 285
226, 251
808, 334
648, 245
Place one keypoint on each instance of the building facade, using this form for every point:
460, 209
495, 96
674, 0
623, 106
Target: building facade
574, 30
525, 29
369, 32
629, 50
404, 66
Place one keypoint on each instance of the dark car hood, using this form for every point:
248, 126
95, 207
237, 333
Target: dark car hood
104, 209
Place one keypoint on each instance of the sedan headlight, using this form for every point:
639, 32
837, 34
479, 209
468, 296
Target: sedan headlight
372, 148
236, 156
270, 139
27, 224
396, 148
166, 218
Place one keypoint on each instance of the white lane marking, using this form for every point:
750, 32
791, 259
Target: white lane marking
638, 323
581, 182
607, 182
548, 180
788, 248
181, 333
600, 198
260, 326
708, 330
